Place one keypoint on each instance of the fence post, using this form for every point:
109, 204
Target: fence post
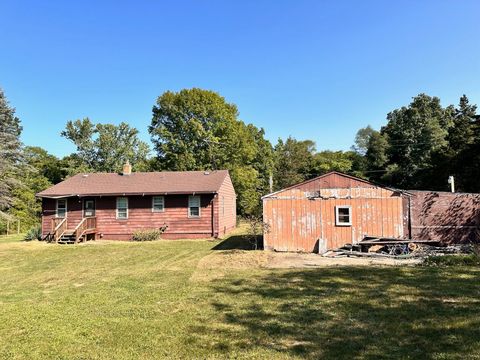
18, 226
8, 227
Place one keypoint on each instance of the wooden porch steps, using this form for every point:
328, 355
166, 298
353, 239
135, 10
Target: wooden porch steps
69, 237
64, 235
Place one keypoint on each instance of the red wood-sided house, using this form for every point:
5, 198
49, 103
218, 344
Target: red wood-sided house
190, 204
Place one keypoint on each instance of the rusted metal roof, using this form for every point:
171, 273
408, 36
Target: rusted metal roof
138, 183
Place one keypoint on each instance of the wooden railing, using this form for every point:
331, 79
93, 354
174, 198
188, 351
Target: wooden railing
91, 223
59, 226
48, 237
87, 224
55, 222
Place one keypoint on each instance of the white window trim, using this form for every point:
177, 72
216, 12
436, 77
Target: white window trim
337, 217
66, 208
153, 203
116, 210
199, 206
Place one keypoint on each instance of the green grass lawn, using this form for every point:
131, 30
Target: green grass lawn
153, 300
11, 238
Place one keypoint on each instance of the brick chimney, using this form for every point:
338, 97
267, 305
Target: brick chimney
127, 168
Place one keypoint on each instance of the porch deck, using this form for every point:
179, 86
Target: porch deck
61, 233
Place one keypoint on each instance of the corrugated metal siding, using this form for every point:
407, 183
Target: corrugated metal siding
330, 181
448, 217
303, 218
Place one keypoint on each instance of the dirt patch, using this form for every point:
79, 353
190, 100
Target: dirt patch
235, 259
218, 263
300, 260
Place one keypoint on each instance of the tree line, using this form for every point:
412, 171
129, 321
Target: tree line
420, 145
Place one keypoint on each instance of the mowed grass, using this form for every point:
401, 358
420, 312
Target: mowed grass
118, 300
11, 238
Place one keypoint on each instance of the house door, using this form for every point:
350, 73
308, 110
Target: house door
88, 207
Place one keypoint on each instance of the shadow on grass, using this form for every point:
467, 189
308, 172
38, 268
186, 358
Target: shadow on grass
239, 242
349, 313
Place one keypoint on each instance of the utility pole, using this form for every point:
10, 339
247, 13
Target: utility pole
270, 183
451, 181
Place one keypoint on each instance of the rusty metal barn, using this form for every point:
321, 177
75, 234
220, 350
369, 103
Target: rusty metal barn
337, 209
330, 211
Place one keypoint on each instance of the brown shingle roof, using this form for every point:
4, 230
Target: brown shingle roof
166, 182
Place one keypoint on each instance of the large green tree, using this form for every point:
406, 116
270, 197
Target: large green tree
264, 160
104, 147
463, 156
26, 207
376, 156
10, 154
423, 143
461, 134
414, 135
362, 138
47, 165
294, 161
39, 170
196, 129
346, 162
298, 160
470, 173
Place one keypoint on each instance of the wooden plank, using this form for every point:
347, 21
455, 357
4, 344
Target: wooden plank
392, 242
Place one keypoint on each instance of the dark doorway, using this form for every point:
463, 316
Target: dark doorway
88, 207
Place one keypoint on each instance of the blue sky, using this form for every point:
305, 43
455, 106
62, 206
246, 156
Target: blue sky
315, 70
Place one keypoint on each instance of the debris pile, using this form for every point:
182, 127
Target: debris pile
397, 248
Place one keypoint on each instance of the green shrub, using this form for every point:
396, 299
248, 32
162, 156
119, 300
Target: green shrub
34, 233
476, 250
147, 235
453, 260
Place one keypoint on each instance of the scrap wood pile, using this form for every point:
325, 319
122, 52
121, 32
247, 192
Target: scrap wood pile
397, 248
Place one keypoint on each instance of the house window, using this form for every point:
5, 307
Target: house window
194, 206
158, 204
122, 208
61, 208
343, 215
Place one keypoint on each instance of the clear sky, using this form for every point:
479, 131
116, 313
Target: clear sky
311, 69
